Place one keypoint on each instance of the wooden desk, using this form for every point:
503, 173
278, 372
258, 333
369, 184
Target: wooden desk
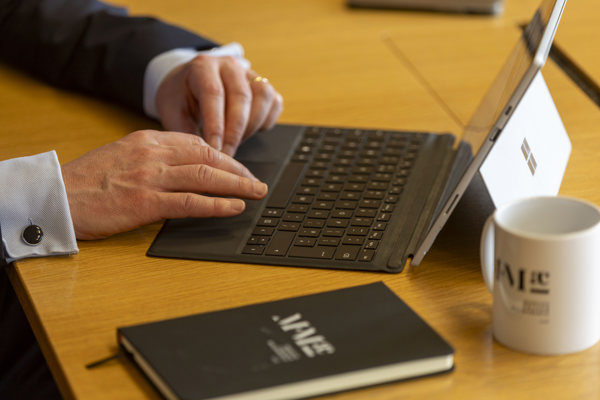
580, 34
334, 66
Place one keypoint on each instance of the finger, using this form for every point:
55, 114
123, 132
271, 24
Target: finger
274, 112
176, 104
207, 87
202, 178
238, 103
263, 96
183, 149
186, 205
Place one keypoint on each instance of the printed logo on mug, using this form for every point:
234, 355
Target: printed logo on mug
540, 258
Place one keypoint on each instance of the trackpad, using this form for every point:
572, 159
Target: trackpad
264, 171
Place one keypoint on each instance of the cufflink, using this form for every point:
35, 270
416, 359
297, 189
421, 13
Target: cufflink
32, 235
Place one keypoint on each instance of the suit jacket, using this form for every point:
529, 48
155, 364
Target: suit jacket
87, 45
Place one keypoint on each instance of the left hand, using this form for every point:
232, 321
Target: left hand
218, 98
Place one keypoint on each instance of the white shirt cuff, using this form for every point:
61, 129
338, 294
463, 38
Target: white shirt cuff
162, 64
33, 192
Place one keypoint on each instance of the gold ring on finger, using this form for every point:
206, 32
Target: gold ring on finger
261, 79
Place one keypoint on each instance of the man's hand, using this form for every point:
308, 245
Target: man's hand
227, 101
148, 176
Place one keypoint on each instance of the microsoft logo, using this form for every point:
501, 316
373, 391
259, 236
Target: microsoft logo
529, 158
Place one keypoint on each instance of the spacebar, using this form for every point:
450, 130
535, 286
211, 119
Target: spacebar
312, 252
285, 185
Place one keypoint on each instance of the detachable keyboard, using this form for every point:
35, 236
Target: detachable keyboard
335, 197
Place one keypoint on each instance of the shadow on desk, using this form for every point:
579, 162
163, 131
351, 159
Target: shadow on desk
460, 236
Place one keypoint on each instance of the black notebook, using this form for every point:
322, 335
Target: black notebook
289, 349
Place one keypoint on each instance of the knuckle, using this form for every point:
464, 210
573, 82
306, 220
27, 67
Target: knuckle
209, 155
242, 92
200, 60
243, 185
187, 204
141, 135
205, 174
196, 140
213, 88
197, 206
229, 60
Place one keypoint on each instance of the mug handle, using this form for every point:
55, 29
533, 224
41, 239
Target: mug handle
486, 253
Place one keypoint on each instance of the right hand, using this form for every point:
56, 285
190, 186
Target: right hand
148, 176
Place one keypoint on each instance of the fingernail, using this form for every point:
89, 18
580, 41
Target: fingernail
237, 205
260, 188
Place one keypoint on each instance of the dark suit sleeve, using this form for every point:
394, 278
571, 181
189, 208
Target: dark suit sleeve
87, 45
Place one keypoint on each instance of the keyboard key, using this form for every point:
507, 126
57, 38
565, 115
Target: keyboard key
329, 241
366, 212
327, 196
357, 240
324, 252
302, 199
279, 244
267, 222
376, 235
289, 226
369, 203
337, 213
387, 208
321, 214
311, 182
374, 195
361, 221
377, 185
380, 226
382, 177
356, 178
323, 205
350, 196
372, 244
272, 212
314, 223
298, 208
335, 232
346, 204
347, 253
384, 216
307, 190
253, 249
262, 240
354, 187
309, 232
331, 187
293, 217
366, 255
357, 231
304, 241
263, 231
337, 223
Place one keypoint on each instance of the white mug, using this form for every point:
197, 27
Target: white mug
540, 258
